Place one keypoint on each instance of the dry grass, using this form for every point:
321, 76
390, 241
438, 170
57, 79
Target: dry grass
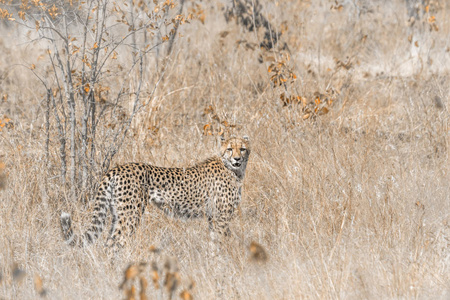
352, 204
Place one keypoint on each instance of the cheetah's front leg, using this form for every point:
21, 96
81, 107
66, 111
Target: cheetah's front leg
219, 220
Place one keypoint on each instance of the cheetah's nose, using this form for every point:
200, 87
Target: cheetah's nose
237, 158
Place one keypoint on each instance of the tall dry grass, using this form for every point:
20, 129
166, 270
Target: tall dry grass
351, 204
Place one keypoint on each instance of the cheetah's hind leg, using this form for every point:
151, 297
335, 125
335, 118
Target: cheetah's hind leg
126, 211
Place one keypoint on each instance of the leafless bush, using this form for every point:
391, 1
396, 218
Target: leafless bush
86, 44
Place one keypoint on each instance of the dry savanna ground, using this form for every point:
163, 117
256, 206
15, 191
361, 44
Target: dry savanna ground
347, 192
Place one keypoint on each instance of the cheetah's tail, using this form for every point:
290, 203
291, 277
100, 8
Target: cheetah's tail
67, 231
76, 240
102, 203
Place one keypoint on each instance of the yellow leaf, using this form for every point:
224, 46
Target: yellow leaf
38, 285
33, 66
206, 129
257, 252
131, 272
22, 15
152, 248
323, 111
185, 295
155, 278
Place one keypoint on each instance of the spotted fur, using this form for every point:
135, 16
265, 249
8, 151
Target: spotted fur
210, 189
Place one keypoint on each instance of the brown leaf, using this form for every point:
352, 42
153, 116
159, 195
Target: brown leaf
131, 272
323, 111
257, 252
38, 285
185, 295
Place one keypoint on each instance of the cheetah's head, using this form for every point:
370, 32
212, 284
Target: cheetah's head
235, 152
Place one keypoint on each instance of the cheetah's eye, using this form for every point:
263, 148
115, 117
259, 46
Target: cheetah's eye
229, 149
243, 149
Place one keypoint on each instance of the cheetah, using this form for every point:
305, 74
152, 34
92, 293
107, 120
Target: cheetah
210, 189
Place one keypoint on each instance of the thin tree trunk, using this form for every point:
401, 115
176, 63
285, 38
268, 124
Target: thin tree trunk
47, 125
70, 97
133, 32
85, 92
115, 146
172, 38
62, 142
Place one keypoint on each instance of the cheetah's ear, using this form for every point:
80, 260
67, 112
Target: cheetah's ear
245, 137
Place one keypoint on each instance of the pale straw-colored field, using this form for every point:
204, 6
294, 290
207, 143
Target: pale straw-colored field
347, 190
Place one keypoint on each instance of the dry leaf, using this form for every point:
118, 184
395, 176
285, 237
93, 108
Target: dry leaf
38, 285
257, 252
185, 295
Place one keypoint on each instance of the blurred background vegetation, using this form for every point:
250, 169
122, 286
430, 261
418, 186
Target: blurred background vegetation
346, 105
